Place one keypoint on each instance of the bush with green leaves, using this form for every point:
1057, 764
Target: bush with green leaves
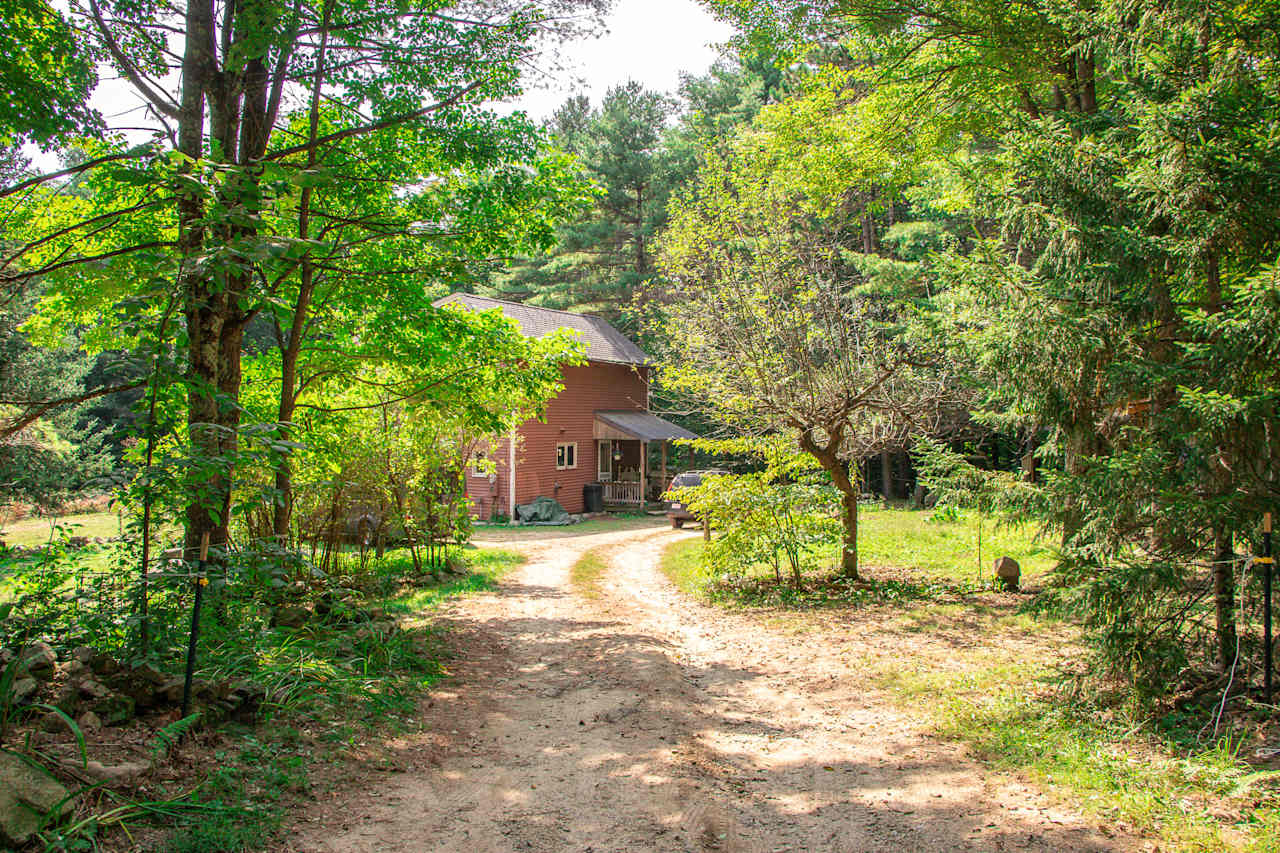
774, 516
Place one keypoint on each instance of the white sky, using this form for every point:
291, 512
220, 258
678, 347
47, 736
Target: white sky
650, 41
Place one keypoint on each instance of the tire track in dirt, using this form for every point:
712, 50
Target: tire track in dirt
643, 720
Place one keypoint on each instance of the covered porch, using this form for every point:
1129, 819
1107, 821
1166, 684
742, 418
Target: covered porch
623, 440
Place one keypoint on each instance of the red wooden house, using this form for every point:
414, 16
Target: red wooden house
597, 429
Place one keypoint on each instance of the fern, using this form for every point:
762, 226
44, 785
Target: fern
171, 735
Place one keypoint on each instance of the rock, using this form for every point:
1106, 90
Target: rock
67, 699
84, 655
76, 670
24, 689
90, 689
170, 691
54, 723
291, 616
39, 659
1008, 573
89, 722
114, 709
27, 795
116, 774
148, 674
247, 699
103, 664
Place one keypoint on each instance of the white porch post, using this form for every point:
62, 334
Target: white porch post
511, 476
644, 464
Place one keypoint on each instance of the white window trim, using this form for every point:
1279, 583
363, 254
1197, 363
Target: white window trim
476, 461
567, 444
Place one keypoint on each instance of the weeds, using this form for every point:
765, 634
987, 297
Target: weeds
359, 669
586, 574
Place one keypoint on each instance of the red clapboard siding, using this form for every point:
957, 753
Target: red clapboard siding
569, 417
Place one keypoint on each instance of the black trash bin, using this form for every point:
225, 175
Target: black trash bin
593, 497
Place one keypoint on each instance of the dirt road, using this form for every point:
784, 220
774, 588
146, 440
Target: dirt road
644, 721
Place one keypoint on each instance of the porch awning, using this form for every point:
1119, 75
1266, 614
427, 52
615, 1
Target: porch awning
643, 426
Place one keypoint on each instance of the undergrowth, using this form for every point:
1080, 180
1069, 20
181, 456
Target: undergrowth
329, 686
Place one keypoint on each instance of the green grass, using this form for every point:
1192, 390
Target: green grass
331, 689
586, 574
1107, 762
907, 555
682, 564
920, 541
35, 531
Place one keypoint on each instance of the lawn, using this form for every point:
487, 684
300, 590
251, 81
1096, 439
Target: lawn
908, 554
961, 549
36, 530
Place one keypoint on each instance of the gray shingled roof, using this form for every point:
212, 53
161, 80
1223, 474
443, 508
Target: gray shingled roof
645, 426
604, 342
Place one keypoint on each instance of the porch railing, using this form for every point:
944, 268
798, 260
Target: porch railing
623, 493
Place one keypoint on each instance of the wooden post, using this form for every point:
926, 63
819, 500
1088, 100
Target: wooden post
644, 459
886, 476
662, 473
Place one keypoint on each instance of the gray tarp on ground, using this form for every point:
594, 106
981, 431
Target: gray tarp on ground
542, 510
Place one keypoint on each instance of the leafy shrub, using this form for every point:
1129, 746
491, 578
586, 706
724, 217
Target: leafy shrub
764, 518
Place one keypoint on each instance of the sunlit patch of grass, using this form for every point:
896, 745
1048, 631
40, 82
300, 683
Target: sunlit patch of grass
682, 564
587, 572
1106, 762
37, 530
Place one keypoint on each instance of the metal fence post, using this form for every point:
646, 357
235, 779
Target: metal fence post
200, 582
1268, 566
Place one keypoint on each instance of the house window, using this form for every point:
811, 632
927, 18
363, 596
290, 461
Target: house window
477, 465
566, 456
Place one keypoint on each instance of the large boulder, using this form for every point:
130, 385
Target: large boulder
1008, 574
27, 796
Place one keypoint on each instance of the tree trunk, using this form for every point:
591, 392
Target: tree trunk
203, 323
292, 349
886, 476
844, 477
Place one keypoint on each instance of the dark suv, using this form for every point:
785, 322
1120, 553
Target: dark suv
676, 510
